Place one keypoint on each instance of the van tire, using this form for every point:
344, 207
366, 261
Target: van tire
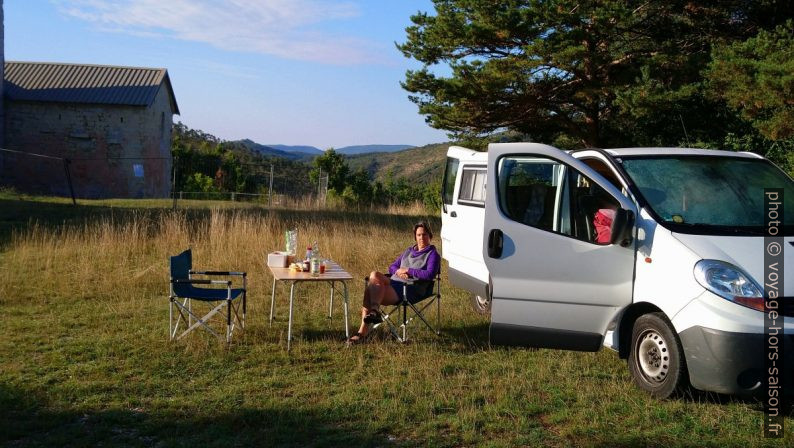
656, 359
481, 304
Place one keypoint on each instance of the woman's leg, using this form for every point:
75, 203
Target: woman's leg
378, 292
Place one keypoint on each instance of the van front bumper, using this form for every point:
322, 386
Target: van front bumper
735, 363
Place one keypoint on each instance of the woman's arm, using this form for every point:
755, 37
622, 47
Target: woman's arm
396, 265
430, 270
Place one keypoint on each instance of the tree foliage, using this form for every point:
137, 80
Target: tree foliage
205, 163
756, 79
332, 163
594, 73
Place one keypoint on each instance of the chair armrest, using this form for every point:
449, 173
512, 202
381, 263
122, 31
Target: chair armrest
239, 274
202, 281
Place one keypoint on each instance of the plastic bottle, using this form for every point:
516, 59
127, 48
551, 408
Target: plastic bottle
307, 261
291, 237
315, 261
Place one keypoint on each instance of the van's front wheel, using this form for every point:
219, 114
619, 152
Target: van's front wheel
656, 360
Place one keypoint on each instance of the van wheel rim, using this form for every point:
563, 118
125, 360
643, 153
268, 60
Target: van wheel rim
653, 356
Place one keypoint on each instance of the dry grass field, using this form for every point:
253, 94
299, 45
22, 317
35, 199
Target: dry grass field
86, 359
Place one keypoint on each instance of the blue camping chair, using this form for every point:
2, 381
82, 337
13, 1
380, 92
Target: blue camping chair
183, 292
398, 322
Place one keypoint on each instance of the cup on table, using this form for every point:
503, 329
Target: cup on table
322, 267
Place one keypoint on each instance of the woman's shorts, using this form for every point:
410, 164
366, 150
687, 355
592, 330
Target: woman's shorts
416, 293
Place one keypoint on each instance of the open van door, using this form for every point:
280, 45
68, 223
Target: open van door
553, 284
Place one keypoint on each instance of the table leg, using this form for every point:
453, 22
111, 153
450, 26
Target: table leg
347, 326
272, 300
331, 306
289, 325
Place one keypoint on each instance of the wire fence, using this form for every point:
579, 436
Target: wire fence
148, 177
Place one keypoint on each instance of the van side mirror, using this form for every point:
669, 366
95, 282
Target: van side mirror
622, 227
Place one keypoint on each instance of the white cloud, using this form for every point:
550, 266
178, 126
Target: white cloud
283, 28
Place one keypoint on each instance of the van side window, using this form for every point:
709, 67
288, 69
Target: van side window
528, 190
592, 209
548, 195
450, 174
472, 186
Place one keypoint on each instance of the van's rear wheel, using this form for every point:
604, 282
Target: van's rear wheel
656, 360
481, 304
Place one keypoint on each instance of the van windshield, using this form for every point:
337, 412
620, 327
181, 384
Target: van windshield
711, 194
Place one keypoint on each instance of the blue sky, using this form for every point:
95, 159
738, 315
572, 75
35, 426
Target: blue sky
314, 72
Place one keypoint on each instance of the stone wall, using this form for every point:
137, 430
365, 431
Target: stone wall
115, 151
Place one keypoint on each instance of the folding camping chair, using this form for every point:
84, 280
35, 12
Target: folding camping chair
417, 305
183, 292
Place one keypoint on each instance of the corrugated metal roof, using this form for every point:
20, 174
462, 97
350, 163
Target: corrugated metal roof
82, 83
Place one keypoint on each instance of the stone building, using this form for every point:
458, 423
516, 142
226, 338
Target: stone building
112, 123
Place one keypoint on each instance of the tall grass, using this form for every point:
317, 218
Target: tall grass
85, 357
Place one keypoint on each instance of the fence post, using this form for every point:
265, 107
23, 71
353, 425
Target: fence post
174, 160
233, 196
66, 163
270, 189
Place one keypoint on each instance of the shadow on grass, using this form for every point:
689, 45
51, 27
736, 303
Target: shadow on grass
16, 214
754, 402
467, 338
29, 420
459, 338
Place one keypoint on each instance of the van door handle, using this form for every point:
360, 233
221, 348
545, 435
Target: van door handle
453, 214
495, 242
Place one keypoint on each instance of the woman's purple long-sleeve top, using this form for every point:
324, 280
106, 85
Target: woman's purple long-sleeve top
428, 272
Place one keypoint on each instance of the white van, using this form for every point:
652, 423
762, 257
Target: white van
657, 253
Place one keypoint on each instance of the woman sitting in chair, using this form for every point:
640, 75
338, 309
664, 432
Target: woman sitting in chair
419, 262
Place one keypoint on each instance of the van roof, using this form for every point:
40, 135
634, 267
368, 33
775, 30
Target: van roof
470, 154
626, 152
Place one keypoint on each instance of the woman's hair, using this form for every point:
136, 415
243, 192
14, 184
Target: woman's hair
423, 224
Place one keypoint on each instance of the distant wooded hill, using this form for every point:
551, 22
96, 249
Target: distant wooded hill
280, 150
365, 149
300, 152
422, 165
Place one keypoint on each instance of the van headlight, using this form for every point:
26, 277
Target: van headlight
729, 282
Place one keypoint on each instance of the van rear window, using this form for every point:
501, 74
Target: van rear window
450, 175
472, 186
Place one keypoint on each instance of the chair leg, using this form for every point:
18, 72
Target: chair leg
386, 316
405, 322
170, 318
199, 321
438, 315
228, 321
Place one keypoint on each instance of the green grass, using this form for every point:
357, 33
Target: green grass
86, 361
